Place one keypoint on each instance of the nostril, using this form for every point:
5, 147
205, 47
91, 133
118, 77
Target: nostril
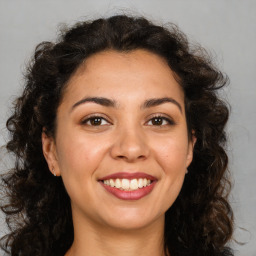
131, 158
121, 157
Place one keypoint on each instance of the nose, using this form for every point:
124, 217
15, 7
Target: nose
130, 145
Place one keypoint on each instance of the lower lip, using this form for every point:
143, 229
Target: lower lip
130, 195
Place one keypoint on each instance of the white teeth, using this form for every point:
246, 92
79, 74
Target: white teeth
106, 182
133, 184
118, 183
125, 184
140, 183
112, 183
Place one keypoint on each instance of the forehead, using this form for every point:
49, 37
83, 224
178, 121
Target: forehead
123, 75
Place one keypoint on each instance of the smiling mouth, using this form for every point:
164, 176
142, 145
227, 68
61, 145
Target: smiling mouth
126, 184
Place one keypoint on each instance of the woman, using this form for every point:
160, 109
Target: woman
119, 143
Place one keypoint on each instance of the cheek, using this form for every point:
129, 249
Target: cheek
171, 154
80, 155
78, 160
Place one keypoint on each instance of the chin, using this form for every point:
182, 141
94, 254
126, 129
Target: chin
126, 220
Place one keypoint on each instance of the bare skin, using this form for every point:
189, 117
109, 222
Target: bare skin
116, 242
126, 134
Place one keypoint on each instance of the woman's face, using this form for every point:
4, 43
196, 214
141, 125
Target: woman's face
121, 144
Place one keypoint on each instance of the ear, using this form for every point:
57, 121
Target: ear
50, 155
191, 144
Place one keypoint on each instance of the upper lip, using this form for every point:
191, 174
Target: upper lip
128, 175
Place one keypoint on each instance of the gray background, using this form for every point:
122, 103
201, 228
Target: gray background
226, 28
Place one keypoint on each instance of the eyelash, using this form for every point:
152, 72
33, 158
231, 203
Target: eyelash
85, 121
158, 116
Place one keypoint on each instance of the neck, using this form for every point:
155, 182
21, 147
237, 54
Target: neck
91, 239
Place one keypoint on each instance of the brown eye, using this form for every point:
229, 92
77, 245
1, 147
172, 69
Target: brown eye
95, 121
159, 121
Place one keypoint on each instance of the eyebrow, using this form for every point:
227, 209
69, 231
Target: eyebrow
158, 101
98, 100
112, 103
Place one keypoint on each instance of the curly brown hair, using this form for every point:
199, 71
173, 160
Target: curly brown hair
38, 211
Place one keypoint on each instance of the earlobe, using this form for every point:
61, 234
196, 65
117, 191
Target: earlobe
191, 145
49, 151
